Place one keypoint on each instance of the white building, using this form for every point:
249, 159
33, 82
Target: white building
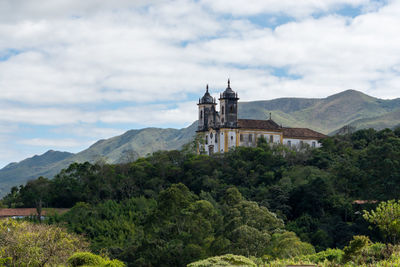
221, 130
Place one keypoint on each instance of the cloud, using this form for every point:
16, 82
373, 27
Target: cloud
170, 49
298, 8
75, 65
90, 131
150, 115
55, 143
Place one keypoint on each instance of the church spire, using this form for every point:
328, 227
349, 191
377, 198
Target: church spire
207, 88
229, 83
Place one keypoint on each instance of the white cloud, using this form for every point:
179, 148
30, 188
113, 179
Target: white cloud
150, 115
135, 55
298, 8
54, 143
71, 63
90, 131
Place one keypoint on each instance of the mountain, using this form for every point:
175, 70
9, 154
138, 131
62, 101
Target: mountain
326, 115
125, 147
30, 168
130, 145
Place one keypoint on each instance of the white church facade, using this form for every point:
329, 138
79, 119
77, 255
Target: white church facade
222, 130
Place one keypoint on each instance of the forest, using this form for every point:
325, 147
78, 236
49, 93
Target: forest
267, 206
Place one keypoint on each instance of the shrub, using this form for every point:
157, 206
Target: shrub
332, 255
288, 245
224, 260
85, 258
90, 259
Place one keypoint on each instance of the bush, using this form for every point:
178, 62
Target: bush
332, 255
85, 258
224, 260
288, 245
90, 259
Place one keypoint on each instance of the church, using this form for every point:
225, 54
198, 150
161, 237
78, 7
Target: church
221, 130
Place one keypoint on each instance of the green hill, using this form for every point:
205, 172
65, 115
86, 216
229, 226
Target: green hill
326, 115
30, 168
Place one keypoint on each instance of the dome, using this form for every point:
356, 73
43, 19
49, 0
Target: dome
229, 93
207, 98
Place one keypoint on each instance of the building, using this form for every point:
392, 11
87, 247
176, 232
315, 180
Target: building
221, 130
19, 213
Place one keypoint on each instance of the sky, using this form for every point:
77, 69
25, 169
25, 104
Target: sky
73, 72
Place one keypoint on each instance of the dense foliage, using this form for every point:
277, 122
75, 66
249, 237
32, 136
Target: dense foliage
172, 208
90, 259
27, 244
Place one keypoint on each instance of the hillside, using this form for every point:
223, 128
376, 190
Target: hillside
326, 115
125, 147
30, 168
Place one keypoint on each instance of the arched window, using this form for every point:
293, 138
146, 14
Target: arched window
201, 114
231, 108
223, 110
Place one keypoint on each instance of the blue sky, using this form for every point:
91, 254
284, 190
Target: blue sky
73, 72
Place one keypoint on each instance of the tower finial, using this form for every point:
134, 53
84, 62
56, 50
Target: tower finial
229, 83
270, 116
207, 88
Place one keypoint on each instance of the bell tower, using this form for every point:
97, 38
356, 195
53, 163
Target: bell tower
206, 111
229, 108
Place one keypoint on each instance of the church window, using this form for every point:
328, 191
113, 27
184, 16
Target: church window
231, 108
211, 135
241, 137
216, 140
250, 138
201, 114
223, 109
222, 120
231, 137
271, 138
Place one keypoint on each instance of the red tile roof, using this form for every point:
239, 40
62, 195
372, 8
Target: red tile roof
302, 133
259, 124
19, 212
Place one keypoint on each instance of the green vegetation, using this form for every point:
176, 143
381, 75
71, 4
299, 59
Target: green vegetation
224, 260
27, 244
387, 218
325, 115
272, 205
90, 259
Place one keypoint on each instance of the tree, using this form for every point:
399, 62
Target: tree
387, 218
288, 245
35, 194
28, 244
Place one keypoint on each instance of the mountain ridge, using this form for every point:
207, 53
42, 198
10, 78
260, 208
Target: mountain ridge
326, 115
